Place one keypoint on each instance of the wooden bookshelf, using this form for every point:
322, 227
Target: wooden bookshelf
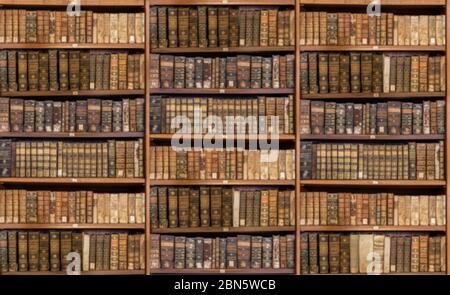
425, 137
70, 46
76, 93
368, 95
73, 181
145, 183
372, 48
89, 273
231, 91
372, 228
206, 230
281, 137
67, 135
186, 182
245, 49
375, 183
72, 226
279, 271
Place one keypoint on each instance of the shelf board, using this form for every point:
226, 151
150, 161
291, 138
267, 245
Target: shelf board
71, 134
249, 49
369, 95
70, 46
371, 228
70, 226
224, 271
281, 137
72, 93
121, 3
57, 180
369, 48
223, 182
222, 2
423, 137
221, 91
402, 3
375, 183
383, 274
258, 229
90, 272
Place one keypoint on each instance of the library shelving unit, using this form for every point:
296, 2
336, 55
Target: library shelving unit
95, 184
144, 184
367, 186
289, 139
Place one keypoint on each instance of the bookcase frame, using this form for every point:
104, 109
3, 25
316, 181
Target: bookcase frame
145, 183
137, 184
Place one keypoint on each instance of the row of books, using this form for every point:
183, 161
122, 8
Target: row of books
372, 161
92, 115
371, 72
242, 71
372, 253
242, 251
112, 158
47, 250
347, 28
322, 208
212, 26
79, 207
382, 118
167, 163
220, 206
47, 26
70, 70
239, 115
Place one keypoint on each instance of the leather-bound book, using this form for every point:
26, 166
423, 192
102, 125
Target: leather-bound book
366, 72
313, 73
223, 26
193, 27
323, 73
212, 27
355, 72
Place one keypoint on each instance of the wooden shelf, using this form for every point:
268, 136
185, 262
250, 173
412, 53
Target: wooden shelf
71, 134
57, 180
205, 91
369, 48
70, 226
391, 95
224, 182
200, 230
281, 137
121, 3
70, 46
402, 3
91, 272
224, 271
185, 50
72, 93
424, 137
222, 2
370, 228
383, 274
375, 183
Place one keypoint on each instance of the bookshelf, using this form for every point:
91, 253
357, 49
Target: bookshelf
144, 184
76, 184
402, 186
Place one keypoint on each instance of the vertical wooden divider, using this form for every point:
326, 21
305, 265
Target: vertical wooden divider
147, 137
297, 138
447, 128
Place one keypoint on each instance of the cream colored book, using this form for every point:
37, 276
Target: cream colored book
365, 251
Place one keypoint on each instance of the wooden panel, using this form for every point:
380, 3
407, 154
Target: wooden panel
128, 3
67, 135
224, 49
71, 226
72, 93
204, 91
371, 48
375, 183
279, 271
403, 96
109, 181
373, 228
222, 2
69, 46
425, 137
366, 2
222, 182
183, 230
